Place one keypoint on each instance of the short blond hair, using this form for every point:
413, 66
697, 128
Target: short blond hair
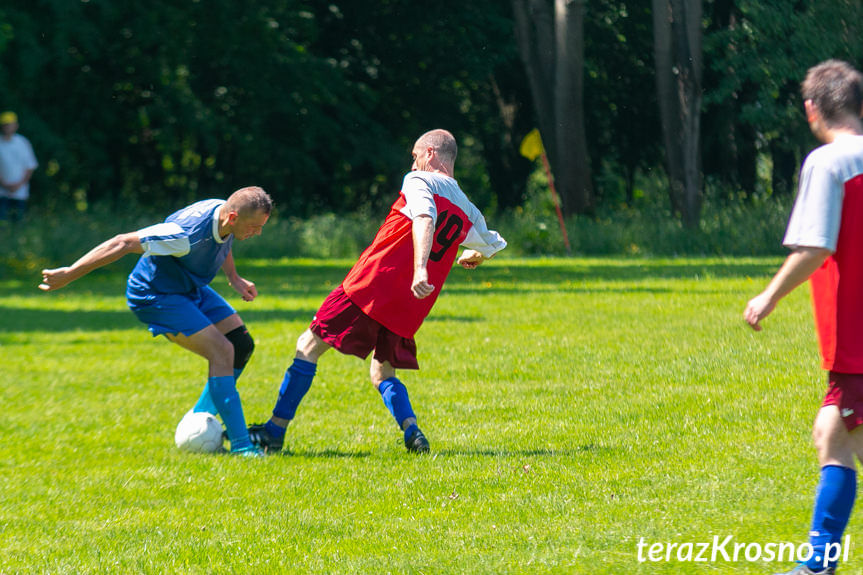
248, 200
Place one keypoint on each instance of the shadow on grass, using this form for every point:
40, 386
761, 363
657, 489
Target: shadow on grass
31, 320
529, 277
26, 320
543, 452
324, 453
317, 279
271, 278
324, 277
35, 320
291, 278
489, 452
478, 288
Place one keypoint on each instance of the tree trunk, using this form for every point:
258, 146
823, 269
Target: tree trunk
534, 31
677, 46
551, 43
572, 175
784, 169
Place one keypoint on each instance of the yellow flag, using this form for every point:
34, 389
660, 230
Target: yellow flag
531, 146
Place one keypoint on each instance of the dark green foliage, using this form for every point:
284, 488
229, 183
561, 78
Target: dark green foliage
135, 105
159, 103
624, 132
647, 227
757, 54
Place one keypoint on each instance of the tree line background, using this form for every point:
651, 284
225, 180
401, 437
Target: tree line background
167, 101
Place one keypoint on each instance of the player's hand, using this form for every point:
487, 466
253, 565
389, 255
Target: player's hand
55, 279
245, 288
420, 286
757, 309
470, 259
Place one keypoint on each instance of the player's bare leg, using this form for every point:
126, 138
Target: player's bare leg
835, 445
211, 344
310, 347
837, 487
229, 324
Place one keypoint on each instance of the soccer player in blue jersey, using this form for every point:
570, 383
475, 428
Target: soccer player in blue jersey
169, 291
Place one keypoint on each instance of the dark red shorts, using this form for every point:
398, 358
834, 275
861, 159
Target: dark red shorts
343, 325
845, 391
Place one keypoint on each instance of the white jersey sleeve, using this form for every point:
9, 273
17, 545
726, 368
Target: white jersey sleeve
419, 198
167, 239
480, 238
817, 210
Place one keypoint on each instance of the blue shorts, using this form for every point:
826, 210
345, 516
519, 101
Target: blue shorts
182, 313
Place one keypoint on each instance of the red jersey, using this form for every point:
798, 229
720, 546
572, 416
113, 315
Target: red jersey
828, 213
380, 281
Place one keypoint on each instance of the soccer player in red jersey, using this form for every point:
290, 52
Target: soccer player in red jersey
385, 297
825, 234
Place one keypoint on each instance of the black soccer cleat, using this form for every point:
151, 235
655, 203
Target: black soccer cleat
416, 442
260, 437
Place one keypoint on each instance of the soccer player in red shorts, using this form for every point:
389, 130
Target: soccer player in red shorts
825, 234
385, 297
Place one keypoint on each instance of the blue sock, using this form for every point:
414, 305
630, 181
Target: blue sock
297, 381
205, 402
223, 390
395, 396
834, 500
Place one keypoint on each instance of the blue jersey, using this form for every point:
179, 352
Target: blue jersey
180, 255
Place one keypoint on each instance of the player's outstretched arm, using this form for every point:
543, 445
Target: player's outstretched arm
103, 254
244, 287
798, 266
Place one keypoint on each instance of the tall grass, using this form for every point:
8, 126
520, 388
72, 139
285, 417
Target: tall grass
725, 230
728, 227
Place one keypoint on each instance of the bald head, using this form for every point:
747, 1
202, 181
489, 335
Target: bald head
443, 143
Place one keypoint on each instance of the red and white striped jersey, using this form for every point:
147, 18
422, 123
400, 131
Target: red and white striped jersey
380, 281
828, 213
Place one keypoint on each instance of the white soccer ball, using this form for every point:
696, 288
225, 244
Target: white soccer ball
199, 433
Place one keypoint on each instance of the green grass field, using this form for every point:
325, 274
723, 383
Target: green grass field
574, 406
